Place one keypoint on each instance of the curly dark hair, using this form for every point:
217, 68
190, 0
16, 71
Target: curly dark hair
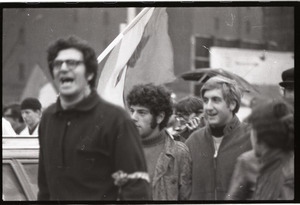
156, 98
89, 55
273, 121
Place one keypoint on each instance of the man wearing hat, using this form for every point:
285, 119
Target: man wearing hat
31, 110
288, 85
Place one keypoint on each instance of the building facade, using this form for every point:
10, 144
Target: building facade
27, 33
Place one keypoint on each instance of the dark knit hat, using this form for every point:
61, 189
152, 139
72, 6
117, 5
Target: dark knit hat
287, 78
273, 120
31, 103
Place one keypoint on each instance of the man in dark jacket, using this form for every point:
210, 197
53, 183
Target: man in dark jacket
84, 140
215, 148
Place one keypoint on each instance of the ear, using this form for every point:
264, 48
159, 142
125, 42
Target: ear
90, 76
160, 117
232, 105
39, 113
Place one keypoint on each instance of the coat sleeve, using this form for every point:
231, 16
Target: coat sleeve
243, 178
43, 192
129, 158
185, 177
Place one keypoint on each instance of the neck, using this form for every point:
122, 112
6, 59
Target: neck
68, 102
31, 128
217, 131
153, 138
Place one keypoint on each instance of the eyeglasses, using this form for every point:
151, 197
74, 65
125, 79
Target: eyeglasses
71, 64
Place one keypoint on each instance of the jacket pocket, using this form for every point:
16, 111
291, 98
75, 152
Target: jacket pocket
171, 189
91, 156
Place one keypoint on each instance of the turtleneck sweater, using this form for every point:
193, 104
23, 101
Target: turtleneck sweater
152, 148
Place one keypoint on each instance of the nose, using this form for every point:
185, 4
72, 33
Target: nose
64, 66
134, 116
208, 105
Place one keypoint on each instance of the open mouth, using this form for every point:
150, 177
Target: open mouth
66, 80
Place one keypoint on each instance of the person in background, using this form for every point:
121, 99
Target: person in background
31, 110
12, 113
188, 116
85, 141
216, 147
168, 161
288, 85
7, 129
272, 138
247, 168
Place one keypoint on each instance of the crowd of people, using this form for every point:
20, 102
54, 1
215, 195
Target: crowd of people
91, 149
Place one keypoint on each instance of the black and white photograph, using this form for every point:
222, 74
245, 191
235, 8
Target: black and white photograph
148, 102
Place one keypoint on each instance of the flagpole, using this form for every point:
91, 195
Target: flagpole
120, 36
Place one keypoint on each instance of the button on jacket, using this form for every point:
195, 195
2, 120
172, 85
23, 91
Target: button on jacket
81, 148
211, 175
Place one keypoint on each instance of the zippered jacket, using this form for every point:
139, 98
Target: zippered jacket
211, 174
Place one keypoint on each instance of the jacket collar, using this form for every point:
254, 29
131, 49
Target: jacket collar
86, 104
232, 125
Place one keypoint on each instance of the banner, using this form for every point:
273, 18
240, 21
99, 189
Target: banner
144, 54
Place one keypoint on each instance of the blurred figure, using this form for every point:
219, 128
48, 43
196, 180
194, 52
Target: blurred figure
7, 129
12, 113
272, 138
288, 84
31, 110
168, 161
188, 116
215, 148
267, 171
246, 170
85, 140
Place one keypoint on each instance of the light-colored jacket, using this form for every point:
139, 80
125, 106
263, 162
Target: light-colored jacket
173, 174
25, 132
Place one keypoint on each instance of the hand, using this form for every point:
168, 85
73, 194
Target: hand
193, 123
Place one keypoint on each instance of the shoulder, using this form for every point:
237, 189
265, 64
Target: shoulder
248, 157
181, 147
111, 109
196, 136
179, 150
50, 109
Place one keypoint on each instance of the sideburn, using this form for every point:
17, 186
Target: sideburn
153, 122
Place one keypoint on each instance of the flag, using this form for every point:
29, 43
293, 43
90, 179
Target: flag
143, 54
39, 86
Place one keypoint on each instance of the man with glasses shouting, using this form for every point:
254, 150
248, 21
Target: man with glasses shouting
84, 139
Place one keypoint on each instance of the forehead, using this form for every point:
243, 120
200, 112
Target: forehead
213, 93
28, 110
139, 107
70, 53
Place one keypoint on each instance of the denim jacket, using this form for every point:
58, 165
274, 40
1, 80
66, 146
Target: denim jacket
172, 176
